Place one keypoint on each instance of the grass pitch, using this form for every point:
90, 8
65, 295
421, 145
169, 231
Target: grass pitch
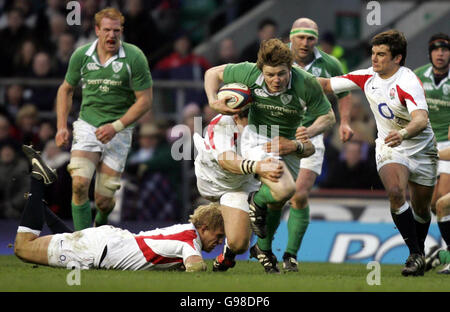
246, 276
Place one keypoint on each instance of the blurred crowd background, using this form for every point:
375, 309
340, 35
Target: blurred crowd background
36, 45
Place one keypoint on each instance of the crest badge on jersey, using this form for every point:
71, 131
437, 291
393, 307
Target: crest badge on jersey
285, 98
316, 71
446, 89
117, 66
392, 93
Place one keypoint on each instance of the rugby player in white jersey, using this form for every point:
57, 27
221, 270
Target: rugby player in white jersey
224, 176
106, 247
406, 153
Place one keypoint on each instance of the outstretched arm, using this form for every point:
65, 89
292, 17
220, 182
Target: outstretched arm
63, 107
345, 107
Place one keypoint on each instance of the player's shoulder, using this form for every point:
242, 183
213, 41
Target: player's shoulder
408, 78
222, 120
420, 71
82, 50
329, 59
131, 50
301, 74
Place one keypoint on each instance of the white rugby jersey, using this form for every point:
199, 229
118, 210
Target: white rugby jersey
222, 135
162, 248
391, 100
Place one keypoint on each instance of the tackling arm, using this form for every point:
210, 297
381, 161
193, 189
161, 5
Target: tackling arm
321, 124
444, 154
234, 163
345, 107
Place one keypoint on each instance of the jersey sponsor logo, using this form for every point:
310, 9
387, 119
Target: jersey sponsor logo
286, 98
385, 111
92, 66
116, 66
261, 93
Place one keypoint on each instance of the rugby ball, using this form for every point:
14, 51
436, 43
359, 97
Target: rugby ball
240, 94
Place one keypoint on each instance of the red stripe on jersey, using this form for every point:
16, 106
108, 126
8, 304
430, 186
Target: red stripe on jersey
187, 236
403, 96
360, 80
214, 122
234, 139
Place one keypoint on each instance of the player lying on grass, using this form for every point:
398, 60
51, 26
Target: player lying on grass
438, 255
108, 247
224, 176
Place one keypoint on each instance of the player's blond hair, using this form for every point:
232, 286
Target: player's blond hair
274, 52
111, 13
208, 215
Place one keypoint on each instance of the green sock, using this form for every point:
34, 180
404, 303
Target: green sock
444, 256
264, 197
272, 222
101, 218
82, 217
297, 224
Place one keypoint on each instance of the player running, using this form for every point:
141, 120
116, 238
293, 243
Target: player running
406, 153
107, 247
226, 177
281, 94
303, 40
435, 77
116, 92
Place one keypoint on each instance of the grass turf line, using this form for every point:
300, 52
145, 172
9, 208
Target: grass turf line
246, 276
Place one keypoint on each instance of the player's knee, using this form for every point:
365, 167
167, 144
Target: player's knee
19, 247
80, 187
443, 207
284, 191
395, 195
238, 245
300, 199
106, 185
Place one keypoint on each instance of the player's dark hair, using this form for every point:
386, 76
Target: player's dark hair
273, 52
438, 40
265, 22
395, 40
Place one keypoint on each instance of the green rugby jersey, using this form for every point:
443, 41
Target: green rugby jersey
108, 90
326, 66
285, 109
438, 100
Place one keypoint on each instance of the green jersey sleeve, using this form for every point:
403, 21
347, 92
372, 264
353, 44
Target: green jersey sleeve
316, 102
73, 74
239, 72
140, 73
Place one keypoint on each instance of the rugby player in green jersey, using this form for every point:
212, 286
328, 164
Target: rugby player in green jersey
116, 91
435, 77
281, 95
303, 40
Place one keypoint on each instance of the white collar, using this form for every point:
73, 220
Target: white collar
91, 50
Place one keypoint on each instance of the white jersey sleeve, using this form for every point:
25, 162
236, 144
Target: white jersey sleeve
221, 135
351, 81
411, 93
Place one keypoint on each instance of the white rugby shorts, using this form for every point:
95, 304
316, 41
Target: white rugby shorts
422, 166
315, 161
114, 153
443, 165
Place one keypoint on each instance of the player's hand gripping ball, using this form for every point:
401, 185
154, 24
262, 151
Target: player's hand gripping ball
240, 95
